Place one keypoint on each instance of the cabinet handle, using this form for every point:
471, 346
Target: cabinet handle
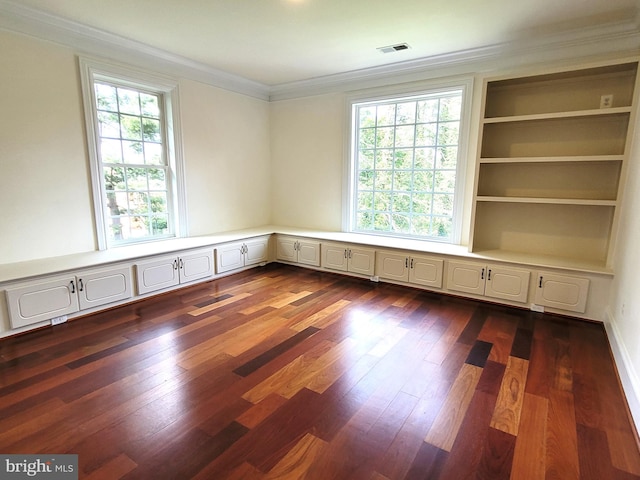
540, 282
350, 253
80, 285
412, 263
489, 275
406, 263
346, 253
296, 245
482, 274
175, 264
73, 287
181, 264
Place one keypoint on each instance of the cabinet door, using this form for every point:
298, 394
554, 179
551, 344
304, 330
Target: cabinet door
104, 286
286, 249
466, 277
42, 300
561, 291
229, 257
507, 283
392, 266
362, 260
196, 265
157, 274
256, 251
309, 252
335, 257
426, 271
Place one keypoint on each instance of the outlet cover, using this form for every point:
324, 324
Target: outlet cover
606, 101
58, 320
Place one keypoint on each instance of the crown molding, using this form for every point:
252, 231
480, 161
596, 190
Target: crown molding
615, 38
91, 41
612, 39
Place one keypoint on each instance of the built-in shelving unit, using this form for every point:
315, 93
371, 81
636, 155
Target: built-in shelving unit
551, 159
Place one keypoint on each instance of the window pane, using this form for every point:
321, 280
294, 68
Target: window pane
106, 97
110, 151
149, 105
128, 101
114, 178
108, 125
150, 130
153, 154
131, 127
385, 115
406, 159
132, 152
157, 179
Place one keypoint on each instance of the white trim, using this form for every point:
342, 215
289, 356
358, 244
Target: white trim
465, 83
91, 41
626, 371
578, 44
92, 68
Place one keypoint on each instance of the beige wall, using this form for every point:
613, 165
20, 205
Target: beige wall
45, 189
624, 306
45, 194
307, 161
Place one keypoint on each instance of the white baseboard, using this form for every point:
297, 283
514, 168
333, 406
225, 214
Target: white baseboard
626, 370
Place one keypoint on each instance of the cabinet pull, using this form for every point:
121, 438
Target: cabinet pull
296, 245
406, 263
73, 287
181, 264
540, 282
412, 263
175, 264
482, 274
489, 275
80, 285
350, 253
346, 253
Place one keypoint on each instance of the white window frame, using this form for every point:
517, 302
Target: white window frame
92, 70
465, 84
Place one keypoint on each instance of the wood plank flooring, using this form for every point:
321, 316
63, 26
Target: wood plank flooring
285, 373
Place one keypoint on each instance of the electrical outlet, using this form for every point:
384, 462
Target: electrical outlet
606, 101
58, 320
537, 308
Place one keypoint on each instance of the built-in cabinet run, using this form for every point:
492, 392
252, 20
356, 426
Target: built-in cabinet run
416, 269
234, 256
348, 258
171, 270
298, 250
552, 152
494, 281
38, 300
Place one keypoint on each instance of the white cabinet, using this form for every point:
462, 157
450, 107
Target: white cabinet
489, 280
562, 291
416, 269
348, 258
242, 254
40, 300
171, 270
296, 250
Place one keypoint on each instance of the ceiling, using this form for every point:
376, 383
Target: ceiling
276, 42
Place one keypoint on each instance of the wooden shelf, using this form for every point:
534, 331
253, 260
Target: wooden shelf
559, 115
577, 158
552, 201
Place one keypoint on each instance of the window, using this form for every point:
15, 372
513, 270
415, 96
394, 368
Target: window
406, 164
132, 141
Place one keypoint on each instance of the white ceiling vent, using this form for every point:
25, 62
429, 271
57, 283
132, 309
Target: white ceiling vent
394, 48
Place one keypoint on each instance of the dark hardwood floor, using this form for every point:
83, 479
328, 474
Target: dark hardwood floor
283, 372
